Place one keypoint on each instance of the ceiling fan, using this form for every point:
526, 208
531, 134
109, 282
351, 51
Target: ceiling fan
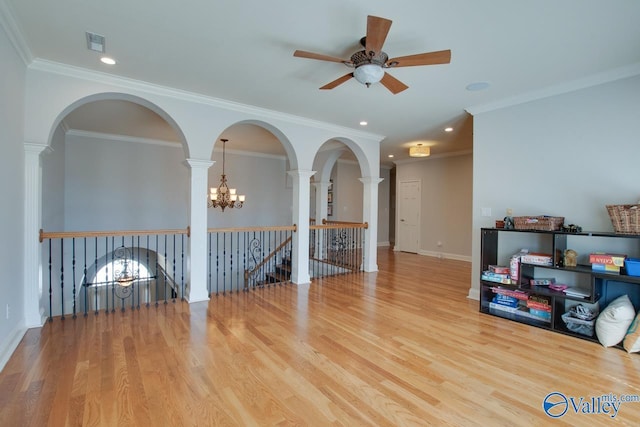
370, 64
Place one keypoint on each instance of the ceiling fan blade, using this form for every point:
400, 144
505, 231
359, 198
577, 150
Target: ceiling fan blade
429, 58
393, 84
337, 82
311, 55
377, 30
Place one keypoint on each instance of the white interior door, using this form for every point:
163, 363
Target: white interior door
409, 216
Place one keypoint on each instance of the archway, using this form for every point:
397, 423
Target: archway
109, 161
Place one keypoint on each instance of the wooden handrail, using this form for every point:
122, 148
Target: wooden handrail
339, 225
267, 258
80, 234
326, 221
293, 228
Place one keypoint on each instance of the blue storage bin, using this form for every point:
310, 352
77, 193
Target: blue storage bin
633, 266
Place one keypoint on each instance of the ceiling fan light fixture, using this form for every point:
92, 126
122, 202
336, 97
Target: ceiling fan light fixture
419, 151
368, 74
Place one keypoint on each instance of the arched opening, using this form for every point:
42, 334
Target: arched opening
244, 249
127, 276
336, 242
115, 164
338, 171
256, 162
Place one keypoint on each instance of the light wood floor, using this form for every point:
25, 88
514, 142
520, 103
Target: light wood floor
400, 347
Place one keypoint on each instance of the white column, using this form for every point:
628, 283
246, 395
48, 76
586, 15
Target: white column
196, 289
301, 197
370, 216
34, 314
322, 191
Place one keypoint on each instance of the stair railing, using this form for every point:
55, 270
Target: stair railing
234, 251
250, 275
338, 248
111, 270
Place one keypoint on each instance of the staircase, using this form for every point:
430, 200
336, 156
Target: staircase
281, 274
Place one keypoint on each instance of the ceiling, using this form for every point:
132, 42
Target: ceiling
243, 51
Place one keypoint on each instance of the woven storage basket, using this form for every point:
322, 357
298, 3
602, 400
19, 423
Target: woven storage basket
546, 223
625, 218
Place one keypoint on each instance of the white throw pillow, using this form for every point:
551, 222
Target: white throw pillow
614, 321
632, 339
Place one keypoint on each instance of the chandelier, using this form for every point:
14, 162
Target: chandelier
223, 196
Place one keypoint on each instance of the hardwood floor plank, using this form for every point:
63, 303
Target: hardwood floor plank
403, 346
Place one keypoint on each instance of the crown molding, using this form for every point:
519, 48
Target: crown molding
12, 28
121, 138
253, 154
572, 86
434, 157
161, 143
141, 86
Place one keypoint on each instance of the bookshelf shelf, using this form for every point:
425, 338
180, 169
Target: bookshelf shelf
600, 288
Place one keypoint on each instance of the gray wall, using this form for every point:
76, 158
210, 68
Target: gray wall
347, 191
384, 210
446, 186
127, 185
121, 185
12, 93
568, 155
263, 179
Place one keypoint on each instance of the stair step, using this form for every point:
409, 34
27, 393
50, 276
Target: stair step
283, 269
277, 277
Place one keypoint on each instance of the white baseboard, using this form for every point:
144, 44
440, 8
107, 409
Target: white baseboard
443, 255
382, 244
474, 294
10, 345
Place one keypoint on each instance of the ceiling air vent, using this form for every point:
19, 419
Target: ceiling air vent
95, 42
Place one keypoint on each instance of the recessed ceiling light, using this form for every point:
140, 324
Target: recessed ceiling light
473, 87
363, 123
448, 129
108, 61
390, 156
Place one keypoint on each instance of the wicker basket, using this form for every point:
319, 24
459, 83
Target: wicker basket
625, 218
546, 223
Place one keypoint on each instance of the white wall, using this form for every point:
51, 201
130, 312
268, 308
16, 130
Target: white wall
12, 92
567, 155
447, 188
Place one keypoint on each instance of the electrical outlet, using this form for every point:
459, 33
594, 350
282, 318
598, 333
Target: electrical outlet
439, 243
486, 211
8, 309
